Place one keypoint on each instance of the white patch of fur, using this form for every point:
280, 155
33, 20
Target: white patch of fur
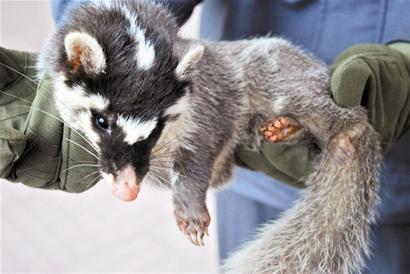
136, 130
84, 118
108, 178
181, 106
42, 62
173, 137
178, 132
107, 4
74, 106
279, 104
189, 60
173, 177
76, 98
92, 56
145, 50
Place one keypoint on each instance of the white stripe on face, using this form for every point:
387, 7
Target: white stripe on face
145, 50
76, 98
75, 105
134, 129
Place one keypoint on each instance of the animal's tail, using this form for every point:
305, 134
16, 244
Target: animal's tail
327, 230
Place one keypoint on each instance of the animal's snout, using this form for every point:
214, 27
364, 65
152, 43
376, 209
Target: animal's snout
125, 184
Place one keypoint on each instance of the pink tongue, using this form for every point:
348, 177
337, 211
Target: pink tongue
126, 187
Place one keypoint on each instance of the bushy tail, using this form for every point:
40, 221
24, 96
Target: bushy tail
327, 230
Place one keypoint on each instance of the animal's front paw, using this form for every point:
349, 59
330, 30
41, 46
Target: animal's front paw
195, 226
281, 128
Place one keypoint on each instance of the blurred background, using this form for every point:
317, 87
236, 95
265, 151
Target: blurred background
45, 231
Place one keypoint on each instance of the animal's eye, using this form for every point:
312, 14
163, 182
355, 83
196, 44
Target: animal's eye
101, 122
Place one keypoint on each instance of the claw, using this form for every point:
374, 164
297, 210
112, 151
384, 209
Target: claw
194, 238
181, 228
194, 228
201, 239
189, 237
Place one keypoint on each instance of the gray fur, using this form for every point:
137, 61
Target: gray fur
327, 229
233, 88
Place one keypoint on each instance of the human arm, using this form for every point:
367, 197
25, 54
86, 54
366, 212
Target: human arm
36, 148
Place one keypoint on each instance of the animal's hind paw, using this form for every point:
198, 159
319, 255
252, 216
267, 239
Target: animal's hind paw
341, 147
195, 228
282, 128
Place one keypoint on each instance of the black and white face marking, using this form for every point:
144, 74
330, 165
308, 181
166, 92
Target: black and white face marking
120, 83
127, 142
136, 130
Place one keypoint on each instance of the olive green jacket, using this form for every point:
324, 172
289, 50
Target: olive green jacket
38, 150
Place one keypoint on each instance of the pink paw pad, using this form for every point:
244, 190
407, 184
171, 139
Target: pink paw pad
279, 129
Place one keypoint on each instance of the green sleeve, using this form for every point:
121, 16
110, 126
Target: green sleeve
36, 148
374, 76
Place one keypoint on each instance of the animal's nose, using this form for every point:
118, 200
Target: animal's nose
126, 185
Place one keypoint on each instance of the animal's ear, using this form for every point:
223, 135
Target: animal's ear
84, 50
189, 60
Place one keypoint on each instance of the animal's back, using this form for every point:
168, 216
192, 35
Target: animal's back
267, 70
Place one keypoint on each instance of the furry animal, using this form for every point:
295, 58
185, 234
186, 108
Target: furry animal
159, 108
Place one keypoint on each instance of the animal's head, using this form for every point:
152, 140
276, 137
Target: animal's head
122, 77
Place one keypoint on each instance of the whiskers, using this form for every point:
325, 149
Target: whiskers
94, 180
34, 141
81, 165
162, 161
82, 147
21, 74
43, 111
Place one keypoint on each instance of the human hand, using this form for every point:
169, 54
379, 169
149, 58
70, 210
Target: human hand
36, 148
374, 76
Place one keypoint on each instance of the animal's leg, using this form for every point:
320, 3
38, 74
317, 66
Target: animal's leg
190, 181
